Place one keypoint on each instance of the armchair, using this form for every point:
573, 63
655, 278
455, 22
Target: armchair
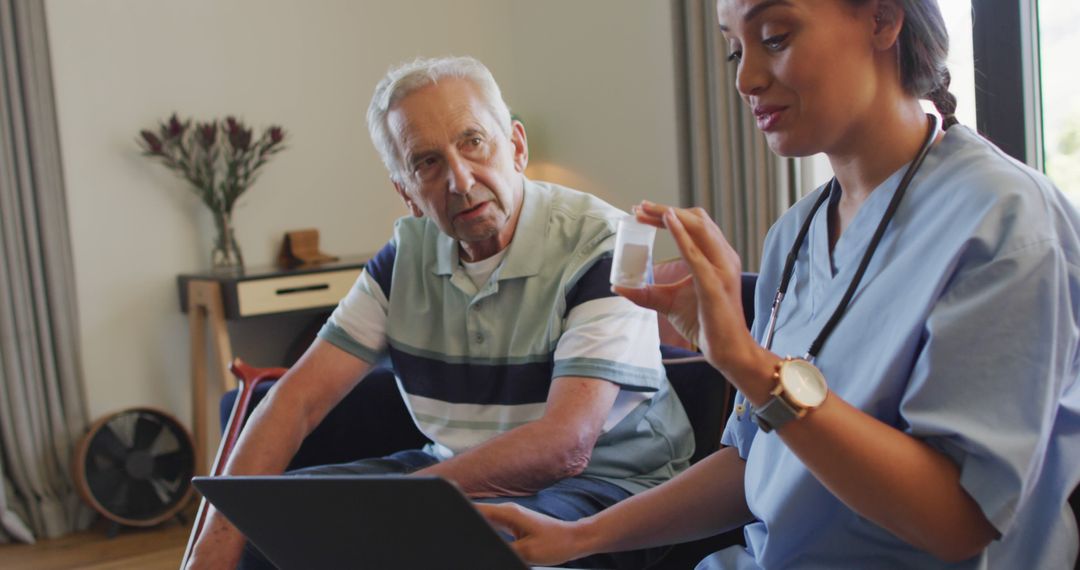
372, 420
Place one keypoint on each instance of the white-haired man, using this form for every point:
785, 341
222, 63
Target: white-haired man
534, 382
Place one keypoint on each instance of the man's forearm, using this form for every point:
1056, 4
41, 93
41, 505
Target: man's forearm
274, 432
519, 462
531, 457
220, 544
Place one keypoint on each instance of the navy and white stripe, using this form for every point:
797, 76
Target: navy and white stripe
473, 364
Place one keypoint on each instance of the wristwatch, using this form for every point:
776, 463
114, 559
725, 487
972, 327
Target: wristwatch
800, 387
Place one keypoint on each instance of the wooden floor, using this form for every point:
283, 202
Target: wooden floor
158, 548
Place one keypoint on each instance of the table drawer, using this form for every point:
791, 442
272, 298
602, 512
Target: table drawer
294, 292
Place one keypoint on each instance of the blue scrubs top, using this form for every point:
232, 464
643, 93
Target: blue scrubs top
963, 333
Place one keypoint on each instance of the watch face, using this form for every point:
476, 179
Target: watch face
804, 383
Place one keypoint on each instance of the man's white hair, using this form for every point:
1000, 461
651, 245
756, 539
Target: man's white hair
405, 78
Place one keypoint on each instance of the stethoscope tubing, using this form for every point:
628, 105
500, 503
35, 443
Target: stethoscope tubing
793, 254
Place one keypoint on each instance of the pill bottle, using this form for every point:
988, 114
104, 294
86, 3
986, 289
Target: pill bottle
633, 253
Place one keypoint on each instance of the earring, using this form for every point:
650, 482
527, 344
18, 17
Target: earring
879, 21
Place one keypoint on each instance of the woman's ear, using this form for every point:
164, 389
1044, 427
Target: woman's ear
888, 21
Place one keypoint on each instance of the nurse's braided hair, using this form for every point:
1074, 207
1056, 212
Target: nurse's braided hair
924, 46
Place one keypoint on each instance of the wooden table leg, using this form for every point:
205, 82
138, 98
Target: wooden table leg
206, 311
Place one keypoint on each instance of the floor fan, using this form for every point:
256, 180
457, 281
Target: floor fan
134, 467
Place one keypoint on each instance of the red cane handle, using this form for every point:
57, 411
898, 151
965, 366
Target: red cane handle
248, 378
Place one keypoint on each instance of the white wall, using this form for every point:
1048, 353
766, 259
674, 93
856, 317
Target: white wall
593, 81
596, 90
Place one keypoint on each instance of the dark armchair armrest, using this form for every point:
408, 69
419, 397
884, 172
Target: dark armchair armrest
371, 421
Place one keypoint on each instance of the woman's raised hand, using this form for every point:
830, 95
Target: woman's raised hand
538, 538
706, 306
677, 301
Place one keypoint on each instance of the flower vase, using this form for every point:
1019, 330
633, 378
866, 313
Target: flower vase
225, 257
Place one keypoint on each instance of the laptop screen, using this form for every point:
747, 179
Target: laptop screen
359, 521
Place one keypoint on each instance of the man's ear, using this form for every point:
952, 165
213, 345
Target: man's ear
409, 203
888, 21
521, 145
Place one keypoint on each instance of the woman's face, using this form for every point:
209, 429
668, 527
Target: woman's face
806, 68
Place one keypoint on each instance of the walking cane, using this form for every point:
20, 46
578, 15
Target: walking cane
248, 378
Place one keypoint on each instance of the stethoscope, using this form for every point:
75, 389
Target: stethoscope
789, 265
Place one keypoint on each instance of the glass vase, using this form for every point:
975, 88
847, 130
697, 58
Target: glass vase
225, 257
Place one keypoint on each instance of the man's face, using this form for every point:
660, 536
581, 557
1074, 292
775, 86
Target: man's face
459, 167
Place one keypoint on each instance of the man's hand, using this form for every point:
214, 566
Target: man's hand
273, 433
220, 544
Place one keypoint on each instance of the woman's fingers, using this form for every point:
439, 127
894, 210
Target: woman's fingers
709, 275
658, 297
538, 538
706, 235
645, 213
698, 237
641, 297
503, 516
655, 297
693, 255
649, 220
652, 208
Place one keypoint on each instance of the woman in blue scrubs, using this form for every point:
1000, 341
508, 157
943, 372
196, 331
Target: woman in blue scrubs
912, 402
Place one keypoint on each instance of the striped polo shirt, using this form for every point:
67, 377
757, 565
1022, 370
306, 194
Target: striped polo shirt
472, 363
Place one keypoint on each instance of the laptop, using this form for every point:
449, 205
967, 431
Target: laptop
359, 521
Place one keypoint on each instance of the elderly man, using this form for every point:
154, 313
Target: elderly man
534, 382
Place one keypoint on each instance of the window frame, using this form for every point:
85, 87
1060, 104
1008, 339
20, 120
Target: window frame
1008, 97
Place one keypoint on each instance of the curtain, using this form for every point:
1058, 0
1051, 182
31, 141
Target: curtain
42, 404
727, 168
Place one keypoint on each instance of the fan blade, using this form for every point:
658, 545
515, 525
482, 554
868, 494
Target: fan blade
108, 442
118, 502
147, 429
103, 483
143, 501
172, 465
167, 491
101, 461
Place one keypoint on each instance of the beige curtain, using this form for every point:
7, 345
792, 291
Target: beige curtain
42, 405
727, 168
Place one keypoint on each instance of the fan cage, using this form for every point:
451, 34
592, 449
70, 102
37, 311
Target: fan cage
134, 466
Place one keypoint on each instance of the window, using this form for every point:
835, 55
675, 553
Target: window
961, 62
1015, 81
1058, 45
1029, 104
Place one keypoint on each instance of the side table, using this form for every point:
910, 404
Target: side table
210, 299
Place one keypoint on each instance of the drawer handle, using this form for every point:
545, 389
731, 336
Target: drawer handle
304, 289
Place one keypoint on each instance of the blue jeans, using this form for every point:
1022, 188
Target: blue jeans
568, 499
